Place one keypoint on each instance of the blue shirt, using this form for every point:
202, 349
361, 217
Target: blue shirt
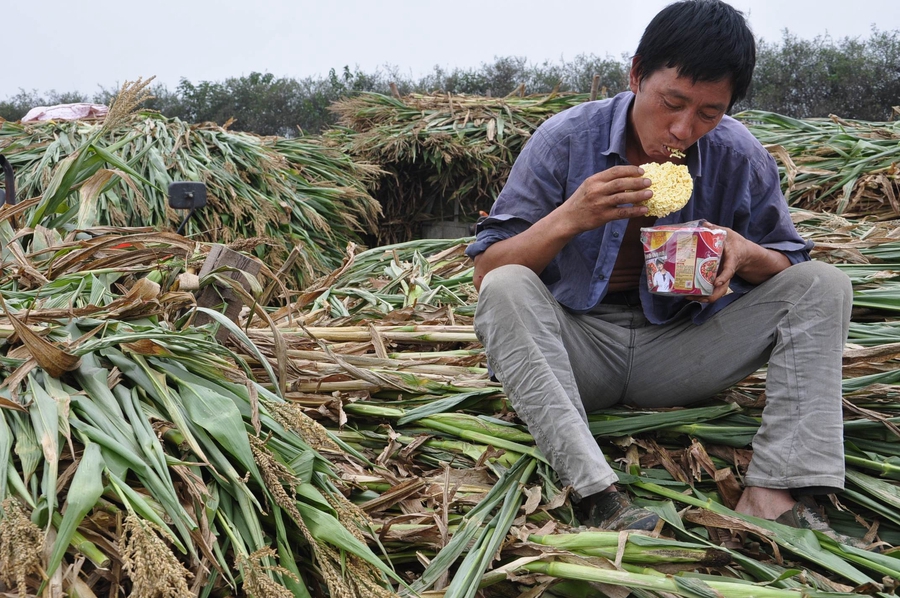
736, 185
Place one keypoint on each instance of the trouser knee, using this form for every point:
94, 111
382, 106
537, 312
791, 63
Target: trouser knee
508, 288
822, 284
824, 276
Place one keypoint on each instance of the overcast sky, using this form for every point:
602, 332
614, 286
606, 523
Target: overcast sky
80, 46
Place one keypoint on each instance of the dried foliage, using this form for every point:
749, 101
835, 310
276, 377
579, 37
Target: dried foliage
21, 545
149, 563
834, 165
270, 195
445, 156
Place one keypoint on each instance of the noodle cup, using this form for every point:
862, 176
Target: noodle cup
682, 259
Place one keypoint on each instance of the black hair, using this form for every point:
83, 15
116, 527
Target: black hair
706, 40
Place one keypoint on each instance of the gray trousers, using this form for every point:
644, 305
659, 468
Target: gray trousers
557, 366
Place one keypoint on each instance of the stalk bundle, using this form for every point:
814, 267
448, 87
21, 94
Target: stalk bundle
445, 156
354, 433
347, 440
147, 458
268, 195
450, 454
847, 167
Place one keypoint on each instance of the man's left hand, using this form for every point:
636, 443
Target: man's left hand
752, 262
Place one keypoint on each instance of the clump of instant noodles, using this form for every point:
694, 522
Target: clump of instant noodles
672, 187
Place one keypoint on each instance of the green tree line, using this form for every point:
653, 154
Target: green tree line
850, 77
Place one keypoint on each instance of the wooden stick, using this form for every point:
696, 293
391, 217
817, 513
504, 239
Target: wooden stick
461, 334
213, 296
595, 87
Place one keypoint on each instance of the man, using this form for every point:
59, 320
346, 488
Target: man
564, 312
662, 279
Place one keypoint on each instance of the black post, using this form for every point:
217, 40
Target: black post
10, 195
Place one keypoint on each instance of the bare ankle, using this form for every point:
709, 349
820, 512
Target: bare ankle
765, 503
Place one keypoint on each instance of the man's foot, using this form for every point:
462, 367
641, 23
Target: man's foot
614, 511
779, 506
765, 503
803, 516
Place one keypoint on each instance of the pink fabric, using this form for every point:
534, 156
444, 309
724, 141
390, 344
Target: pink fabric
65, 112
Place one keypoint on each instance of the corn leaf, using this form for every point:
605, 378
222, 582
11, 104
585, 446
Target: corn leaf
325, 528
220, 417
84, 491
6, 440
45, 419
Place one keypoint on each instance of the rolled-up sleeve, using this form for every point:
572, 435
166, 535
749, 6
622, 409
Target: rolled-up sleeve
493, 229
771, 226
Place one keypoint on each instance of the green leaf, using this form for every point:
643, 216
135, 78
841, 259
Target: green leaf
446, 404
803, 542
617, 423
470, 526
26, 448
154, 383
45, 419
236, 331
325, 528
120, 164
694, 588
286, 557
6, 438
140, 505
84, 491
219, 416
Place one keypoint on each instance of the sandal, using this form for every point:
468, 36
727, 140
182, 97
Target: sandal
727, 538
803, 517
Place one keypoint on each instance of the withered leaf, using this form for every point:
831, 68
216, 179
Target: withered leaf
54, 360
7, 404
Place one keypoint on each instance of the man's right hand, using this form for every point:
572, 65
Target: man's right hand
600, 199
603, 198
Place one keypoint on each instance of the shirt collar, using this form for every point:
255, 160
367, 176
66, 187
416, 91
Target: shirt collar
619, 126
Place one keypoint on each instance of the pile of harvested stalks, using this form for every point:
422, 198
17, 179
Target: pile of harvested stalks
846, 167
445, 156
272, 196
463, 499
148, 459
346, 439
350, 442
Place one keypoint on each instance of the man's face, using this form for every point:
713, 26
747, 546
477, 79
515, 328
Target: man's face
672, 112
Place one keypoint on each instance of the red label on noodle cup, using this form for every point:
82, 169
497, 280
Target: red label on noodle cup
682, 259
